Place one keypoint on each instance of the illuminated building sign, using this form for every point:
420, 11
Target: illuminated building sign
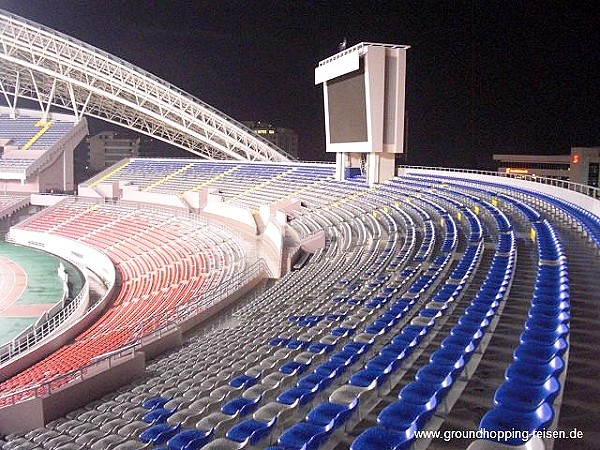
517, 171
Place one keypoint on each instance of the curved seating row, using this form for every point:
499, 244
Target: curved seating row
310, 386
316, 347
163, 263
524, 402
418, 400
325, 374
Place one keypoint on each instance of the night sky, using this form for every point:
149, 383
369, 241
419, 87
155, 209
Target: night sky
484, 77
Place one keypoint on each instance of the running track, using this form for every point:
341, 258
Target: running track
13, 281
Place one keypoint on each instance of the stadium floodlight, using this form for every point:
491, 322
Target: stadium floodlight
46, 66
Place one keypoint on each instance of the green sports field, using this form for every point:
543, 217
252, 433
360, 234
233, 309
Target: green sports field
38, 287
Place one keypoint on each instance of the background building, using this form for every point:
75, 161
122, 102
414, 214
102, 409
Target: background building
109, 147
284, 138
549, 166
581, 166
585, 165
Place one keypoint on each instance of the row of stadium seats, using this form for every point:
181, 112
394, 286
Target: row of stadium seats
8, 201
584, 219
402, 302
245, 185
163, 262
338, 331
21, 130
292, 368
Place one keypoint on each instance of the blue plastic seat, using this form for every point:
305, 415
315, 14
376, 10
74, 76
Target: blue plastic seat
159, 434
406, 340
295, 344
421, 393
500, 418
244, 381
471, 331
342, 332
330, 415
546, 323
397, 350
158, 415
514, 395
345, 357
404, 417
320, 348
330, 369
483, 308
552, 289
189, 440
366, 377
293, 368
250, 430
314, 382
438, 374
400, 307
276, 342
560, 309
480, 322
240, 406
534, 374
543, 337
296, 394
358, 347
378, 328
562, 299
379, 438
539, 353
459, 343
383, 363
414, 331
155, 402
449, 356
303, 436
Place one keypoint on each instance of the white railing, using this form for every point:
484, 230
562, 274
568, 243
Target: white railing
158, 324
360, 48
166, 320
60, 382
35, 334
584, 189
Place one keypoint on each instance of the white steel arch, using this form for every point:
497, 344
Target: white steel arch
53, 69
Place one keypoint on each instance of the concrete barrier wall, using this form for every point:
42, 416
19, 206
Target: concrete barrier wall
85, 258
135, 195
36, 412
230, 214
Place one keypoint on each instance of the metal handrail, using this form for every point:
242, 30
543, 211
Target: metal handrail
138, 73
58, 382
172, 317
162, 323
584, 189
36, 334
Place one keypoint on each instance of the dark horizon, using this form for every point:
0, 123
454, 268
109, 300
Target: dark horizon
482, 78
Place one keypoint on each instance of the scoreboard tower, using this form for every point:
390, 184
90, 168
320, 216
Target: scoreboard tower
364, 96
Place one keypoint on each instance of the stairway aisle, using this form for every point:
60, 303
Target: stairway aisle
477, 397
581, 387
